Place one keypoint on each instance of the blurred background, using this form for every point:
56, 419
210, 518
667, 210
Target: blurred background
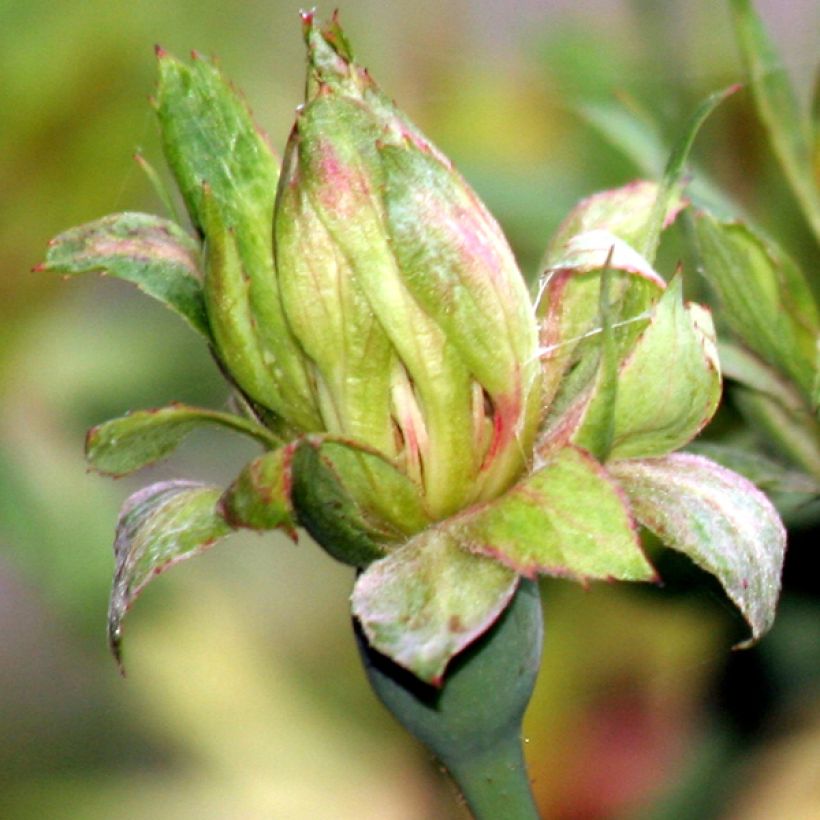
244, 697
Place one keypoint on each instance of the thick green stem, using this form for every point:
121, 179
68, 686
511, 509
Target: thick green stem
472, 724
496, 784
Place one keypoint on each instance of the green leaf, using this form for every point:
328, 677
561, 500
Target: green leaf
567, 518
672, 182
622, 212
133, 441
152, 253
428, 600
260, 497
717, 518
669, 385
159, 526
765, 298
777, 106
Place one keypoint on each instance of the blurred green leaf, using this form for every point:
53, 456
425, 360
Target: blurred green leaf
159, 526
153, 253
765, 298
640, 141
669, 385
567, 518
746, 368
717, 518
791, 431
636, 137
672, 184
133, 441
765, 473
428, 600
788, 128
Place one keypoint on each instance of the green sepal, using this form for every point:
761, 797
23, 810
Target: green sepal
260, 496
668, 387
765, 298
328, 312
152, 253
327, 511
131, 442
598, 428
429, 599
623, 212
228, 175
209, 136
568, 518
158, 526
719, 520
385, 495
457, 264
569, 308
234, 326
340, 488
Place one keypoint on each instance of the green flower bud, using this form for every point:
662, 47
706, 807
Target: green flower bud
402, 291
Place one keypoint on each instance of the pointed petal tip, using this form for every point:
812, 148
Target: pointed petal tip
307, 17
160, 52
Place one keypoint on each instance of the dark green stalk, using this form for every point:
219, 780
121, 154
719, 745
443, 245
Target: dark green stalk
472, 724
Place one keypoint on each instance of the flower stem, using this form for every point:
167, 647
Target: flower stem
496, 784
472, 724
